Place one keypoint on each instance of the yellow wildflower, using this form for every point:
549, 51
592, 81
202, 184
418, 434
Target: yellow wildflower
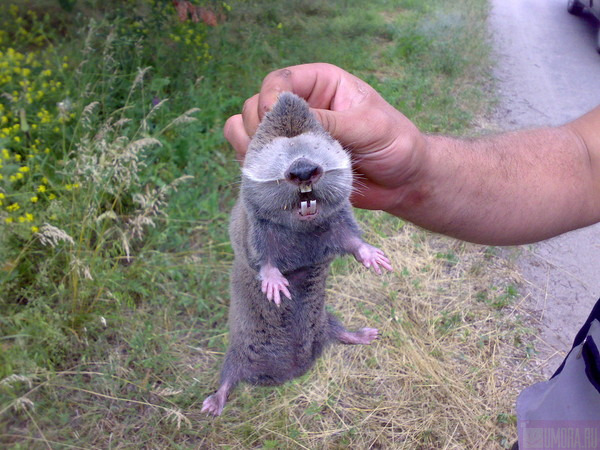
35, 229
44, 116
9, 220
41, 188
33, 199
23, 169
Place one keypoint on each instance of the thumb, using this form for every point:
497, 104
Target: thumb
357, 129
342, 126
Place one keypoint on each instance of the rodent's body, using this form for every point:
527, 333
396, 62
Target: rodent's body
288, 225
280, 343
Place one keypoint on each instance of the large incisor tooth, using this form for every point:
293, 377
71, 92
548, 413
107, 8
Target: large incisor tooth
303, 208
306, 188
313, 207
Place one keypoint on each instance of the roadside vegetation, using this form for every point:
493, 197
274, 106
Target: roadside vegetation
115, 189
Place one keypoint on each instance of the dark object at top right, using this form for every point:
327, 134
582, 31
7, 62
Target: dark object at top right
579, 7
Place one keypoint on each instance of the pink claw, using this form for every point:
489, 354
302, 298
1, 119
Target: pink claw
273, 282
371, 256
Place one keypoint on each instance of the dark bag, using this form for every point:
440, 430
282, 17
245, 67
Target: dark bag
564, 412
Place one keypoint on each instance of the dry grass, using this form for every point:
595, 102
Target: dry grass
445, 374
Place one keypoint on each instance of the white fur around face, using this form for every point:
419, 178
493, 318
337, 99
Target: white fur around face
270, 162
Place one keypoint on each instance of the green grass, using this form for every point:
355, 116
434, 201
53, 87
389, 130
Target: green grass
113, 335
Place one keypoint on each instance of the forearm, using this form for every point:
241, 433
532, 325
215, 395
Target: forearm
507, 189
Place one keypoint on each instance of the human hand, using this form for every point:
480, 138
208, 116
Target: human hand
387, 149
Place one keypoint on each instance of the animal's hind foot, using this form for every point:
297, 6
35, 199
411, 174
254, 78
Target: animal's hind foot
364, 336
213, 404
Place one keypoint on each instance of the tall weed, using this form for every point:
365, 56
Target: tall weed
66, 263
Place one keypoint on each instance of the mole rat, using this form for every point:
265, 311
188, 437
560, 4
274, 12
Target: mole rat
293, 217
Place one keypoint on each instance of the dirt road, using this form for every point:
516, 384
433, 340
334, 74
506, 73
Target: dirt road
548, 72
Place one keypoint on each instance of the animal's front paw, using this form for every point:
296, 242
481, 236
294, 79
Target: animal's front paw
273, 282
372, 257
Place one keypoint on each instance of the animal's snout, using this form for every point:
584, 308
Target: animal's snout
303, 171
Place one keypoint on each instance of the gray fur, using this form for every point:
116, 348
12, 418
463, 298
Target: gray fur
270, 344
288, 132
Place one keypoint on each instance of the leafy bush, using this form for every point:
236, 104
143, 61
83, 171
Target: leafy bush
75, 197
